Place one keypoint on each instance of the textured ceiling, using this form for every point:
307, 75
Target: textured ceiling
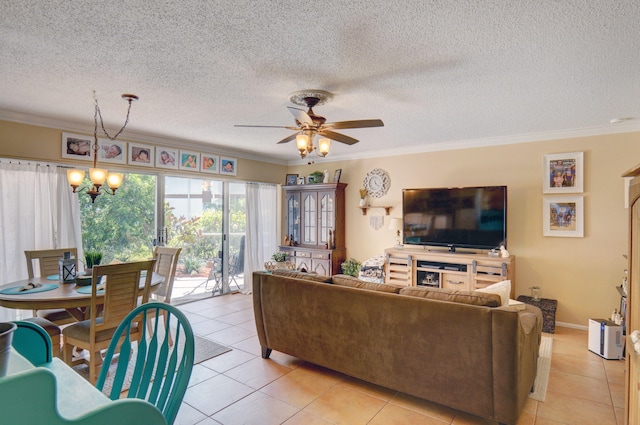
439, 74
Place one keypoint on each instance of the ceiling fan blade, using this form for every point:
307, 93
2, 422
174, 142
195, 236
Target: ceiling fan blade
268, 126
288, 138
300, 115
355, 124
338, 137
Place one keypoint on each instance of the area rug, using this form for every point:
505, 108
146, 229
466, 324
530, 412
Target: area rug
544, 365
205, 349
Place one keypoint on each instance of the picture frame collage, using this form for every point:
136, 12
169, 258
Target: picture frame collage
563, 215
80, 147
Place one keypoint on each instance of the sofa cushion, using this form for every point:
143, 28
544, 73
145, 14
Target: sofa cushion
503, 289
346, 280
302, 275
462, 297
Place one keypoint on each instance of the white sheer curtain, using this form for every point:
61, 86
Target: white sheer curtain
38, 211
261, 241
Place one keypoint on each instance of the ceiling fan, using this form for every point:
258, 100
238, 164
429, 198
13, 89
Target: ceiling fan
308, 124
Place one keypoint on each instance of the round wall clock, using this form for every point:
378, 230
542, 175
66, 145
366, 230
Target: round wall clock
377, 182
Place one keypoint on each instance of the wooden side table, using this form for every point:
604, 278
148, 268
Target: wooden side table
548, 308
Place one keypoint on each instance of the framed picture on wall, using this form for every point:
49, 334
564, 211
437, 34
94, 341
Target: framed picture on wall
113, 151
336, 175
189, 160
228, 166
209, 163
140, 154
76, 146
166, 157
563, 173
291, 180
563, 216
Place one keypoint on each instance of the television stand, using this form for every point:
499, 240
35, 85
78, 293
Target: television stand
444, 269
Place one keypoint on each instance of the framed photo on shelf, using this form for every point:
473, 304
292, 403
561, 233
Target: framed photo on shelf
76, 146
336, 175
189, 160
166, 158
141, 155
228, 166
563, 216
301, 180
209, 163
292, 179
112, 151
563, 173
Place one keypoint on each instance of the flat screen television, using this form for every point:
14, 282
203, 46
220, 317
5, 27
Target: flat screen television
460, 217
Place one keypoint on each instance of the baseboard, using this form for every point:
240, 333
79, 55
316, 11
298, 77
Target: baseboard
573, 326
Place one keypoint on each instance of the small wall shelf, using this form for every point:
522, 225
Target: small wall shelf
364, 209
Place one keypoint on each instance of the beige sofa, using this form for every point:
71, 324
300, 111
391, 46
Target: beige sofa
473, 358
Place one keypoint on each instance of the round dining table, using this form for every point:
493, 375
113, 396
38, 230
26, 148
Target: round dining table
68, 295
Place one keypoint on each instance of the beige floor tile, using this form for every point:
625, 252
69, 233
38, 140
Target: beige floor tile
237, 317
299, 387
527, 418
228, 360
572, 349
617, 394
256, 409
620, 416
250, 345
575, 411
344, 406
392, 414
215, 394
531, 406
373, 390
593, 368
425, 407
257, 372
546, 421
306, 418
466, 419
231, 335
580, 386
615, 371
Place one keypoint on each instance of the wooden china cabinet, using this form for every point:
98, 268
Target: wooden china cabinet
314, 223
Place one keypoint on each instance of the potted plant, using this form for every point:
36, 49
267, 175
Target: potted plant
279, 257
351, 267
92, 258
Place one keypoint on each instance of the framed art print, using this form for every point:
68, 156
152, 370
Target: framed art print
336, 175
563, 216
166, 158
189, 160
209, 163
113, 151
563, 173
76, 146
291, 180
228, 166
140, 154
301, 180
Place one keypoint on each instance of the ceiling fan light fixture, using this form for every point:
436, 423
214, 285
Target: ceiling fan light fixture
302, 141
324, 145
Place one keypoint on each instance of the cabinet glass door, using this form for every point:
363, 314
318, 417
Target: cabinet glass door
293, 216
327, 216
310, 203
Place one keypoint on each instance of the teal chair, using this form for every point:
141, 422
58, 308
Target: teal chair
33, 342
156, 369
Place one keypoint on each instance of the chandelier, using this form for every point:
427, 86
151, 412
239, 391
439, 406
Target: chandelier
99, 175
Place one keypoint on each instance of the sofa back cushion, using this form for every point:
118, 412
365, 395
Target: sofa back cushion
302, 275
462, 297
346, 280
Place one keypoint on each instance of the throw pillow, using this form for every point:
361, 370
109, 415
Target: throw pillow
503, 289
451, 295
345, 280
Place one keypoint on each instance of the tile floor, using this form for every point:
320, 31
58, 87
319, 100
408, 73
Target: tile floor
239, 387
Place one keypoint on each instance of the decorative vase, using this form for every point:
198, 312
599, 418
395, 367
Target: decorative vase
363, 203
